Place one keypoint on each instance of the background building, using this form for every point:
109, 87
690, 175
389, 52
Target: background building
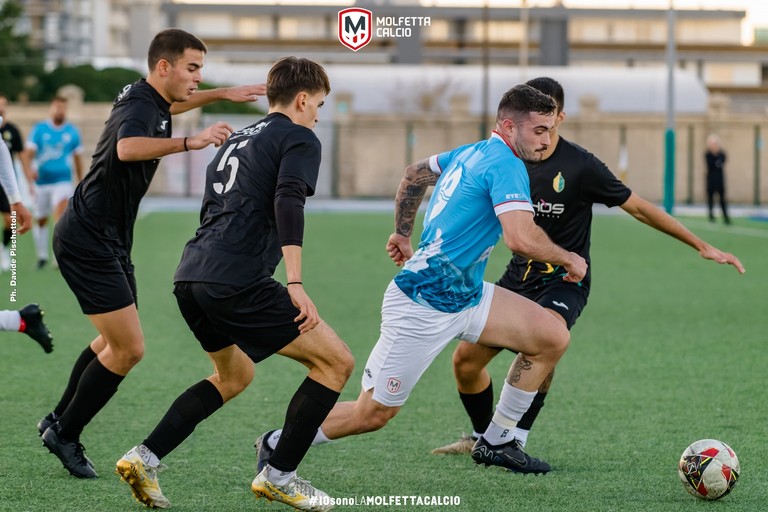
437, 87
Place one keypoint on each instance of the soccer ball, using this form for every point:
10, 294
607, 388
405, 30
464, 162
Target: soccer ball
708, 469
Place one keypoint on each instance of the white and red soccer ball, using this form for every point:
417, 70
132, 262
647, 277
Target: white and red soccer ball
709, 469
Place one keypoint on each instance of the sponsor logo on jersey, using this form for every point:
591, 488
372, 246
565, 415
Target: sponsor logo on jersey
162, 126
549, 209
393, 385
355, 27
560, 304
558, 183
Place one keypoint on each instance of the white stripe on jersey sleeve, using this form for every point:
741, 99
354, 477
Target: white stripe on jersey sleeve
434, 165
508, 206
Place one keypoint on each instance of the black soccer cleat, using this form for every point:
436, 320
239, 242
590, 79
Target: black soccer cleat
46, 422
35, 327
263, 451
509, 456
70, 453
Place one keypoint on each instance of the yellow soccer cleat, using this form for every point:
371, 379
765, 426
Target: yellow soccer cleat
142, 479
298, 493
462, 446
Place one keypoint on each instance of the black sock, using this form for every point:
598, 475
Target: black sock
86, 356
526, 422
7, 236
306, 412
97, 385
187, 411
479, 407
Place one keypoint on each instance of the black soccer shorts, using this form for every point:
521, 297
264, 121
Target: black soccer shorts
101, 281
257, 318
567, 299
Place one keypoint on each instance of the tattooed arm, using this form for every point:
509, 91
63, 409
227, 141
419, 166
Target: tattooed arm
410, 193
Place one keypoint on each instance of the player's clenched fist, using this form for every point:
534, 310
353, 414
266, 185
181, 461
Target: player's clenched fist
215, 134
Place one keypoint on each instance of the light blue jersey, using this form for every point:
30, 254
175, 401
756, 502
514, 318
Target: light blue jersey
54, 147
478, 182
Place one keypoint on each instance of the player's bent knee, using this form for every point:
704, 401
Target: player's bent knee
378, 418
232, 387
558, 341
131, 355
465, 367
340, 362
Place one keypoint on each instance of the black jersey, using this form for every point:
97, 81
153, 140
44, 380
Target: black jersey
237, 242
105, 203
715, 166
12, 137
563, 189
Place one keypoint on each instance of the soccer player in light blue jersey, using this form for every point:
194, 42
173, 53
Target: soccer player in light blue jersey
482, 194
55, 148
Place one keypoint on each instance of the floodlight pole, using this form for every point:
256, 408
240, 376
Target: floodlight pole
486, 58
669, 134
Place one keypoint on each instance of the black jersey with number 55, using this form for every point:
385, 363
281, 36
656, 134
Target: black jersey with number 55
237, 242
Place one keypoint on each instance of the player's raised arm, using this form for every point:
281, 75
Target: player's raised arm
409, 196
133, 149
658, 219
238, 94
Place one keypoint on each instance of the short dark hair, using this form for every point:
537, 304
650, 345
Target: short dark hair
292, 75
524, 99
170, 44
59, 99
550, 87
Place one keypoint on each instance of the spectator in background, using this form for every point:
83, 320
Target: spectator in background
51, 151
715, 157
15, 142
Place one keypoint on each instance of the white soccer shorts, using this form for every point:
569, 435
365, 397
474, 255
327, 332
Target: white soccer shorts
48, 196
412, 335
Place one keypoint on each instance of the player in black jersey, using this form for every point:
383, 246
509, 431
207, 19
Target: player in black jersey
252, 217
92, 240
564, 186
12, 138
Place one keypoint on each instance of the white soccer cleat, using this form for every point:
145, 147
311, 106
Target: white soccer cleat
142, 479
298, 493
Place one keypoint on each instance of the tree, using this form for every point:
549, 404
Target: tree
20, 64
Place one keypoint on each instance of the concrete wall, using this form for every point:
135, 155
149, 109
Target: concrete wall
371, 151
365, 154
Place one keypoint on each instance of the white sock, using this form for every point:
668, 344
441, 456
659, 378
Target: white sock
274, 438
476, 434
320, 438
513, 403
148, 456
10, 320
278, 477
521, 435
40, 235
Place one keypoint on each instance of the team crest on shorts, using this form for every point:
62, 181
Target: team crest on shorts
393, 385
